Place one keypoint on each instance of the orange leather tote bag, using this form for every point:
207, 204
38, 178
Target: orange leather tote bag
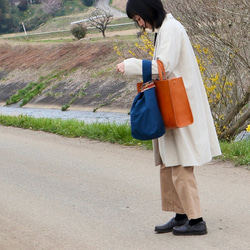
172, 100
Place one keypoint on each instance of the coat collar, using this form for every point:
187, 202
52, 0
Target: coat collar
168, 16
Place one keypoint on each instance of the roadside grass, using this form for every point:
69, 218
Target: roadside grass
237, 152
106, 132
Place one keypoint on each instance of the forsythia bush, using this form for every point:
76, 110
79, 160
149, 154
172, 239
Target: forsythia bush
218, 87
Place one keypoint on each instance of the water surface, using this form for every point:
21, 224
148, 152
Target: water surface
86, 116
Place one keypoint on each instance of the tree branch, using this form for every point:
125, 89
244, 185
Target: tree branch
236, 109
229, 133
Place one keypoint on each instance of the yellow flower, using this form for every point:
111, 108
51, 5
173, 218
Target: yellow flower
248, 128
218, 95
205, 50
117, 51
132, 53
215, 77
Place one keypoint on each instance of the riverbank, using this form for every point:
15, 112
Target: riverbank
81, 75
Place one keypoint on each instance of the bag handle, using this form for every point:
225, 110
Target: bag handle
161, 70
146, 70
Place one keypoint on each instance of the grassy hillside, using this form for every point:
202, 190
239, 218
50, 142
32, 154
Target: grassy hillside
35, 17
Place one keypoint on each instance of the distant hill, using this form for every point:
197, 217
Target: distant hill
14, 13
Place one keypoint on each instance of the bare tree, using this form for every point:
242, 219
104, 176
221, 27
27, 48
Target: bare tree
51, 6
100, 19
219, 31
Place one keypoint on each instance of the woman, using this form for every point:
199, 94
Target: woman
178, 150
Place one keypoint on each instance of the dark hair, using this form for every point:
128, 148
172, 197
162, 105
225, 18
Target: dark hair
151, 11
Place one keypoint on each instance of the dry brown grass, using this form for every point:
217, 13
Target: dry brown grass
59, 56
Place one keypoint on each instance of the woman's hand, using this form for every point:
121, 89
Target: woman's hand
120, 67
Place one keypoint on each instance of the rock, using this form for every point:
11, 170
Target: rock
244, 135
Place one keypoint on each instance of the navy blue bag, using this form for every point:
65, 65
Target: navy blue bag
145, 117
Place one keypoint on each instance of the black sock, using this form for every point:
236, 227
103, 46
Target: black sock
179, 217
193, 222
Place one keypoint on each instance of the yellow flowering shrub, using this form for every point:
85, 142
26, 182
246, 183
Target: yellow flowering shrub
143, 48
248, 128
219, 88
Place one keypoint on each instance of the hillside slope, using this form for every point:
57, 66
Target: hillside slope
80, 74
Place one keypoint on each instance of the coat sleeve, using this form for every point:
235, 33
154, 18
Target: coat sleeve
133, 66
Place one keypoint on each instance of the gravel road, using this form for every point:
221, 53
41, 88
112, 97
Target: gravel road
76, 194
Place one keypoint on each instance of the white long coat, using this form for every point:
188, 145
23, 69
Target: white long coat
195, 144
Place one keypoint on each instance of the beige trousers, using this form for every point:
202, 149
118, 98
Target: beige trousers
179, 191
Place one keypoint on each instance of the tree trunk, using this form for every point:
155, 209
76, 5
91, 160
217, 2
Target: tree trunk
237, 108
103, 33
232, 131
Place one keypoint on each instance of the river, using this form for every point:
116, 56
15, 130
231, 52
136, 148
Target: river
86, 116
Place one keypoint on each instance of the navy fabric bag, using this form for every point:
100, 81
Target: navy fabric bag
145, 117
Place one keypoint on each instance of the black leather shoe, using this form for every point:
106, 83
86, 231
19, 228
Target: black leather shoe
198, 229
168, 227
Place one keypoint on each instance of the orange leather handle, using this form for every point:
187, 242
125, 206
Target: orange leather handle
161, 70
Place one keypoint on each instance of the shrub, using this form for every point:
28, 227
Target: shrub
79, 31
65, 107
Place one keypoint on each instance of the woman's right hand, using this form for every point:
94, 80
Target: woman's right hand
120, 67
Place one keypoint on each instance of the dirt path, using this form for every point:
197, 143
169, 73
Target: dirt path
104, 4
75, 194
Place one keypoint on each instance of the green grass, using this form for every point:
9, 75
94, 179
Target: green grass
32, 90
72, 128
77, 95
237, 152
21, 93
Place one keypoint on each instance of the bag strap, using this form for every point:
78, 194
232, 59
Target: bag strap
146, 70
161, 70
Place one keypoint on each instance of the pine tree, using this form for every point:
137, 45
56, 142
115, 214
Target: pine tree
3, 6
4, 10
